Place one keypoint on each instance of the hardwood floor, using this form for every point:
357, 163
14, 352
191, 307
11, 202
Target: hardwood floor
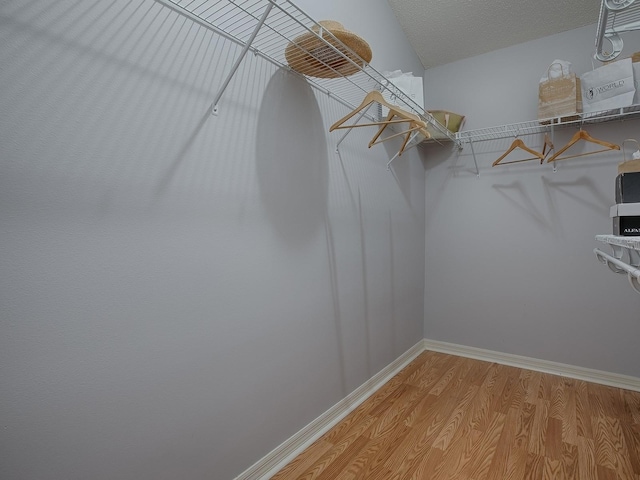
448, 417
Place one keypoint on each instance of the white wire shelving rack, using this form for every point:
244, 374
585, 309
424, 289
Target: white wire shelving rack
267, 27
625, 258
616, 17
546, 126
532, 127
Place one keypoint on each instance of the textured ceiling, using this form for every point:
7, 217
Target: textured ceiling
443, 31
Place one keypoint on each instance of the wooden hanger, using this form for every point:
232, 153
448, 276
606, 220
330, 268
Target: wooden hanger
403, 117
517, 143
371, 97
414, 126
547, 144
582, 135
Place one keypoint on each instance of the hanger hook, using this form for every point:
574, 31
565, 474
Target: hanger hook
624, 154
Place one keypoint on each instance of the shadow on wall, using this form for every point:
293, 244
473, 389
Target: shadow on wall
595, 199
517, 196
291, 159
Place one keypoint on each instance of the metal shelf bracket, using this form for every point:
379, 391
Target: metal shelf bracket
245, 49
616, 17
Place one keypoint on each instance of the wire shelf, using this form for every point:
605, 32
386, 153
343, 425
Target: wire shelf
268, 27
626, 242
543, 126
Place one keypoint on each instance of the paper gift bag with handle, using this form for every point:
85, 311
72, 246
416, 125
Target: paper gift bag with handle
610, 86
560, 96
409, 85
635, 66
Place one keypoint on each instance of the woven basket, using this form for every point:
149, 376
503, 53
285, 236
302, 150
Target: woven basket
449, 120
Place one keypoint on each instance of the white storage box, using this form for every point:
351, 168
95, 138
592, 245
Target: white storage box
625, 210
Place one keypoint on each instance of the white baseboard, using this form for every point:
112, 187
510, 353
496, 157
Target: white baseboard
555, 368
275, 460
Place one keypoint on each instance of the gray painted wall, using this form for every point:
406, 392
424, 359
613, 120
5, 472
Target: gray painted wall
180, 293
509, 262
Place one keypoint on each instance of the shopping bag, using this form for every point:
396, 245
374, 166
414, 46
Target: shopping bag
635, 65
408, 85
610, 86
560, 96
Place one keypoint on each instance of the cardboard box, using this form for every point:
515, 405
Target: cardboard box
625, 210
628, 187
626, 226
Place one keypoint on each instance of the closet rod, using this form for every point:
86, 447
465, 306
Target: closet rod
619, 266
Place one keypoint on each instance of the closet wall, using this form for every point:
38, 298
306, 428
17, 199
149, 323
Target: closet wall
180, 293
509, 255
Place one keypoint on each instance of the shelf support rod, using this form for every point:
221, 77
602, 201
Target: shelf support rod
362, 114
555, 169
473, 153
391, 160
245, 49
413, 135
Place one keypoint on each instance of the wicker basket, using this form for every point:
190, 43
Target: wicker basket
320, 55
449, 120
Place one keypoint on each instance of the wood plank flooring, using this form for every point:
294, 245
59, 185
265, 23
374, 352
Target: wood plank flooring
448, 417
